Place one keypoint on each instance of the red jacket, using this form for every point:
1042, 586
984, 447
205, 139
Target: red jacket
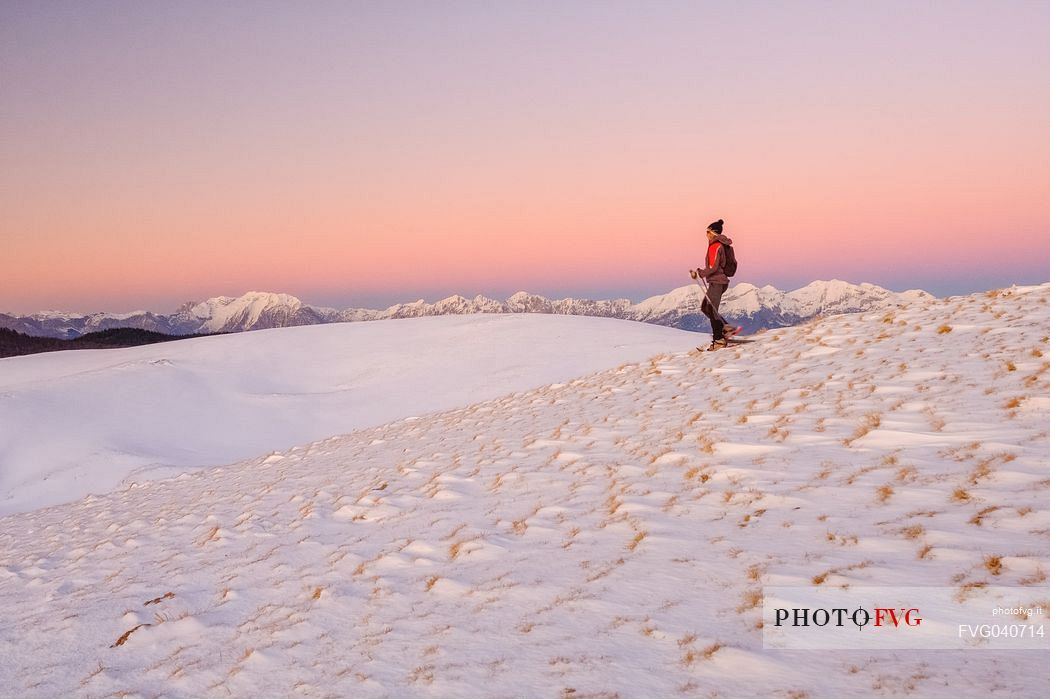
714, 263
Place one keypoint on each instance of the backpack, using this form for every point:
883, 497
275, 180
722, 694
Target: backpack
730, 261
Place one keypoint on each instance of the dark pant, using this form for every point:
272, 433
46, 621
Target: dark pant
710, 309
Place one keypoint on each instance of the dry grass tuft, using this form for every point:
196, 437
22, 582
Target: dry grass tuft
979, 517
872, 421
913, 532
638, 538
982, 470
907, 474
158, 600
127, 634
994, 564
944, 329
711, 650
752, 599
707, 445
884, 493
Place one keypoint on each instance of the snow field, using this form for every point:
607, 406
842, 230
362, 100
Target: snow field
86, 421
606, 536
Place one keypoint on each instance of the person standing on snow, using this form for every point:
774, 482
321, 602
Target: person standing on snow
714, 273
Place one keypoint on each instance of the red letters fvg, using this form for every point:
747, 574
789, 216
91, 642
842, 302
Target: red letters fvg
905, 616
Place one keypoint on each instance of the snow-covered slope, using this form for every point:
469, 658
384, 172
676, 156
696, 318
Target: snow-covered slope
610, 535
73, 423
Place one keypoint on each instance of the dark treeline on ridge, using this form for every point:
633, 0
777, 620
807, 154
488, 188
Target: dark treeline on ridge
13, 343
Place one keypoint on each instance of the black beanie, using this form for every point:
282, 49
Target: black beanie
716, 226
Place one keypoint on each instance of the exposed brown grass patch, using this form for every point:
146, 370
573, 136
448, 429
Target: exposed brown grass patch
967, 588
872, 421
982, 470
907, 474
751, 600
706, 444
711, 650
993, 564
978, 518
127, 634
944, 329
913, 532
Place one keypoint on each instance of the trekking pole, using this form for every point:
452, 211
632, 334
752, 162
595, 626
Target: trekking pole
697, 278
704, 288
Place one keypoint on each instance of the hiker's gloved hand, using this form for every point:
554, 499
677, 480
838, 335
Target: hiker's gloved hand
692, 273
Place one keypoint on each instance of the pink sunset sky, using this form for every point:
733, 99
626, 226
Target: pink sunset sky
365, 153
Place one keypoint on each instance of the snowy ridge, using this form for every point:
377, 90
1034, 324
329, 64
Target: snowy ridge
225, 314
609, 535
756, 308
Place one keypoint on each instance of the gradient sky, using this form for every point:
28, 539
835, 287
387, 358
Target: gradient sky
364, 153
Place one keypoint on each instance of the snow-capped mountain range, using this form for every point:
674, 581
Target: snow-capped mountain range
750, 306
